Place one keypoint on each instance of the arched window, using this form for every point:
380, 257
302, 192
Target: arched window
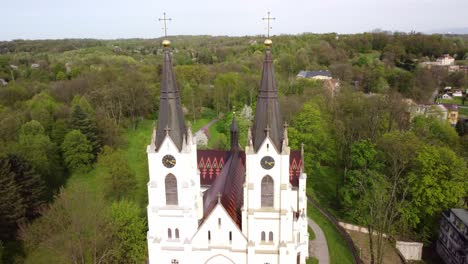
263, 236
177, 233
267, 191
230, 236
270, 236
169, 233
171, 190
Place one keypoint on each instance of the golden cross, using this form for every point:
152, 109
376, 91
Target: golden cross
165, 25
268, 18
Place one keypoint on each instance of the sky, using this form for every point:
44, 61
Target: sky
110, 19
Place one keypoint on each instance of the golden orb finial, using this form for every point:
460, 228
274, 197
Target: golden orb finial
268, 42
166, 43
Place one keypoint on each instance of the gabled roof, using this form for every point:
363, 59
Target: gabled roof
229, 184
267, 121
170, 117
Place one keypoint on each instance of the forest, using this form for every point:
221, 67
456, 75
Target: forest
76, 116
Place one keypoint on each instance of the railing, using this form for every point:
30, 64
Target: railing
341, 230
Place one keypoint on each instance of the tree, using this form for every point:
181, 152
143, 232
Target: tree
129, 233
74, 229
77, 151
312, 128
12, 208
369, 197
119, 178
79, 120
437, 181
37, 148
31, 186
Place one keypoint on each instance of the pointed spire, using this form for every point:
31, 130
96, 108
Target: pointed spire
234, 135
267, 115
170, 118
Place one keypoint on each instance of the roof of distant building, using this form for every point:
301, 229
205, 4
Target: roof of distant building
462, 214
311, 74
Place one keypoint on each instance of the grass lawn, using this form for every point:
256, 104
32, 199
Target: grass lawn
311, 233
199, 123
454, 100
463, 111
339, 252
312, 260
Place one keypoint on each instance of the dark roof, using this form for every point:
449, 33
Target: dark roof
170, 117
229, 184
310, 74
211, 162
267, 115
462, 214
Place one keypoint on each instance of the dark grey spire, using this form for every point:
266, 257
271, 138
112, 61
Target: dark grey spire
170, 117
268, 119
234, 136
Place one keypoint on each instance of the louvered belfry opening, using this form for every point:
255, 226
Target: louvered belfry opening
171, 190
267, 190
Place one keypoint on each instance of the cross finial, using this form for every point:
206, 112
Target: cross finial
268, 18
164, 19
285, 125
219, 197
267, 130
167, 129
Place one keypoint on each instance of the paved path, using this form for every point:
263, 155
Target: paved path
318, 247
206, 127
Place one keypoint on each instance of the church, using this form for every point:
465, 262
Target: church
244, 205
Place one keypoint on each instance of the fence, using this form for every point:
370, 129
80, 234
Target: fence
343, 233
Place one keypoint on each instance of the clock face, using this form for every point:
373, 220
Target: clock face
168, 161
267, 162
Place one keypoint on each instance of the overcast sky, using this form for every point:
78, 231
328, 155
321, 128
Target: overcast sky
45, 19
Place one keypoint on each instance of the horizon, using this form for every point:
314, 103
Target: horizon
107, 20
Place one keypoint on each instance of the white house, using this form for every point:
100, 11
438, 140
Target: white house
216, 206
457, 93
317, 75
445, 60
446, 96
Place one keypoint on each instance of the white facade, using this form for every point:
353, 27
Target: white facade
180, 234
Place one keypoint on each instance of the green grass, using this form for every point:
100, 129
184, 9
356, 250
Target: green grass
311, 233
312, 260
199, 123
337, 248
454, 100
463, 111
135, 152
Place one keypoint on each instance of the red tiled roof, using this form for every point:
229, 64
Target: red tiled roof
211, 162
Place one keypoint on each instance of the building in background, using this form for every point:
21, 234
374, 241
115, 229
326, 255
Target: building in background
452, 244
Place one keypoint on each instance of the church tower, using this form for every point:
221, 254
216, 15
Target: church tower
272, 205
174, 204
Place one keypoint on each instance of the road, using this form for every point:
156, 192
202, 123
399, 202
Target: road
318, 247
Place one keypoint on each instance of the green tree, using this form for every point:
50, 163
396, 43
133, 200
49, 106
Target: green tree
77, 151
36, 147
129, 233
119, 178
312, 128
80, 120
12, 208
437, 181
74, 229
